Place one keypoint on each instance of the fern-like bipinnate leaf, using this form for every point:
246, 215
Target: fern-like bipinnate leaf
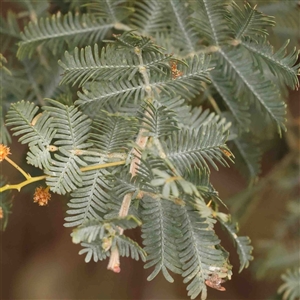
286, 13
126, 247
129, 248
249, 22
197, 251
21, 115
89, 201
192, 148
64, 172
109, 136
259, 90
111, 10
290, 289
282, 65
187, 85
243, 23
242, 243
238, 109
191, 73
96, 229
36, 130
100, 236
124, 184
110, 239
131, 41
39, 154
100, 93
159, 233
72, 128
179, 106
188, 118
201, 180
182, 33
199, 117
211, 21
149, 17
111, 133
54, 32
87, 65
159, 121
93, 250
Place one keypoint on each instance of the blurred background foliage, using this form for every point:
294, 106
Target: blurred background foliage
38, 260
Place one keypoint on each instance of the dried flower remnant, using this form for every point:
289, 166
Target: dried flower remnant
226, 152
4, 152
41, 196
114, 262
175, 72
1, 213
214, 281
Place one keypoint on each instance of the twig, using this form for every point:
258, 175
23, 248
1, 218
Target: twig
141, 142
30, 179
21, 184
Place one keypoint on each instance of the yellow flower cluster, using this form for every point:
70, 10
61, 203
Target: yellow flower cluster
41, 196
1, 213
4, 151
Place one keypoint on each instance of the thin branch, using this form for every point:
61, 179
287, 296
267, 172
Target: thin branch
214, 104
30, 179
102, 166
21, 184
141, 142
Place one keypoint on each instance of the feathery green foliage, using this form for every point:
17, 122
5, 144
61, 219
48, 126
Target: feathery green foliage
126, 137
249, 22
159, 236
199, 254
92, 230
242, 244
110, 10
195, 147
149, 17
50, 32
88, 202
286, 13
87, 65
290, 287
210, 21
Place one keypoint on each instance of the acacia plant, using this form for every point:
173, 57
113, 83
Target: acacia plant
126, 105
